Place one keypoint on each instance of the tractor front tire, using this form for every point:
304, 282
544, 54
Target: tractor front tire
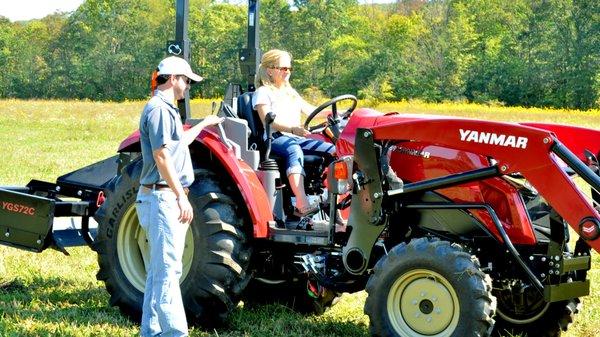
539, 319
215, 257
429, 287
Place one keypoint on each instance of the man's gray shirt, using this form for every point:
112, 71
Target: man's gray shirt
160, 126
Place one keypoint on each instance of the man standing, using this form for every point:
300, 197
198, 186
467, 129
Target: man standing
162, 205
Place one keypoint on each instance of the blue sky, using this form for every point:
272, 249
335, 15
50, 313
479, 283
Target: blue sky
37, 9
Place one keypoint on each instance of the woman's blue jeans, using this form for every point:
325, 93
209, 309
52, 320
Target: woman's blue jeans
293, 149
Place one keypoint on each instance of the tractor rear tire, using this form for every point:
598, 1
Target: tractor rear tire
429, 287
215, 258
548, 320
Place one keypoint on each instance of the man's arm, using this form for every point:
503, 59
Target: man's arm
164, 164
194, 131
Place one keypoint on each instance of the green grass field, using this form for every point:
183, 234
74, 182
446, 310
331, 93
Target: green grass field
50, 294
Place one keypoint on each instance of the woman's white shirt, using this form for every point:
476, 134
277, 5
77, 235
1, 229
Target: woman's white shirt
286, 103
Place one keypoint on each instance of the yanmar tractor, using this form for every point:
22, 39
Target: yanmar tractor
455, 227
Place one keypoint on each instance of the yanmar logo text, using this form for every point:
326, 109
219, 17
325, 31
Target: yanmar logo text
493, 138
413, 152
17, 208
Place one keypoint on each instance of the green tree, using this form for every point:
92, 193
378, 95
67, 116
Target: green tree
6, 42
391, 41
314, 28
499, 68
585, 56
217, 33
520, 52
109, 47
26, 54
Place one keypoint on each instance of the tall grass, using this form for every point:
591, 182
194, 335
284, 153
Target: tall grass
50, 294
588, 118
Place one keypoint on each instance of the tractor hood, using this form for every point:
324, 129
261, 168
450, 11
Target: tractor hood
365, 118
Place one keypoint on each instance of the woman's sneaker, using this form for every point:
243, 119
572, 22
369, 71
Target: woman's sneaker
305, 223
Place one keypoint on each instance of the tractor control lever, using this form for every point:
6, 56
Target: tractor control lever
223, 136
269, 119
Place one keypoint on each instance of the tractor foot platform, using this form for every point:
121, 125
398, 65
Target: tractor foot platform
319, 235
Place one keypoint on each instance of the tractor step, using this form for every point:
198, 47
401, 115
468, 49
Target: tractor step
318, 236
565, 291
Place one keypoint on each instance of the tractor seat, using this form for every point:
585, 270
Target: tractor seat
255, 139
245, 111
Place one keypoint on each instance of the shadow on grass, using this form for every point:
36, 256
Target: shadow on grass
57, 300
53, 301
275, 320
14, 285
47, 303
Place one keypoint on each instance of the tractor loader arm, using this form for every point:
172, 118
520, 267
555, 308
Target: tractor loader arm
576, 138
527, 150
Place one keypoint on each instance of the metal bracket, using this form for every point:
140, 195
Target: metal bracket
366, 216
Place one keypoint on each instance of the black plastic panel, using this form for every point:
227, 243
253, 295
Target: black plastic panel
25, 220
94, 176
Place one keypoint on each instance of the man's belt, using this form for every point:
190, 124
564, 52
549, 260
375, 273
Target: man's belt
163, 187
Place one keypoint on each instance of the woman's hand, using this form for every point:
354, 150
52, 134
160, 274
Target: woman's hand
299, 131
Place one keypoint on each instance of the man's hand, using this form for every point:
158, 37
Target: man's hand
212, 120
186, 212
193, 132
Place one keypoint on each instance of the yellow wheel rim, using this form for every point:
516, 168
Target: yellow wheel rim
134, 253
423, 303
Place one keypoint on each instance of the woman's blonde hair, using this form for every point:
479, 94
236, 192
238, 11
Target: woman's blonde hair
269, 59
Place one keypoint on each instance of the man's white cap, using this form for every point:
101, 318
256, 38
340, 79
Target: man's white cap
174, 65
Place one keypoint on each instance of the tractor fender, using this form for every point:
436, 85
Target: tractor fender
240, 173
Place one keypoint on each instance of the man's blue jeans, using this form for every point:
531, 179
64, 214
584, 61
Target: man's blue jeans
163, 313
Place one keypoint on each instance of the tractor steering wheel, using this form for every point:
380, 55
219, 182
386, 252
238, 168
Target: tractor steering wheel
334, 118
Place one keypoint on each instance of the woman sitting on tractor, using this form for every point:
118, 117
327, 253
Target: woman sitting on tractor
275, 94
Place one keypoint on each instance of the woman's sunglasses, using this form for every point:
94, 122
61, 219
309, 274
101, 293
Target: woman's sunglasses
283, 68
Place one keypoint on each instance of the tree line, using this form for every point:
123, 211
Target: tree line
518, 52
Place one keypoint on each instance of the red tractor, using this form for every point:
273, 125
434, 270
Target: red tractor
455, 227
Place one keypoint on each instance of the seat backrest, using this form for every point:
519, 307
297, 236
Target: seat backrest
245, 111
